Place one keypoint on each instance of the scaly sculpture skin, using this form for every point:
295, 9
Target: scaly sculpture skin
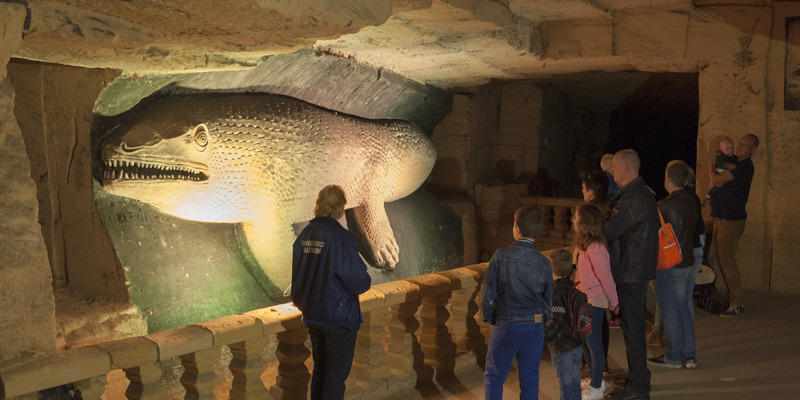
260, 160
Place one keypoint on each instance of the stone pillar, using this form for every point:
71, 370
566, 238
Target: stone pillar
145, 382
199, 378
292, 353
561, 221
434, 338
549, 224
466, 333
90, 389
484, 327
26, 298
247, 367
404, 355
370, 363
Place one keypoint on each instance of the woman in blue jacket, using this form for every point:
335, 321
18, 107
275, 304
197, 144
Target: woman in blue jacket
328, 274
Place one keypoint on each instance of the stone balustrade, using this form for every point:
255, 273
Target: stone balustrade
557, 213
415, 331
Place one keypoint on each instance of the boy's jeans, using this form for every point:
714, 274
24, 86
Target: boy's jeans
568, 372
525, 342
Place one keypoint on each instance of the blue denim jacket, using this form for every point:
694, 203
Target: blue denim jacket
518, 285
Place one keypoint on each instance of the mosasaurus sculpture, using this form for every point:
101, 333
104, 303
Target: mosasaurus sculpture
260, 160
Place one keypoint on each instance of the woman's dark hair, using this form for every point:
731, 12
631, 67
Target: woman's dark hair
596, 181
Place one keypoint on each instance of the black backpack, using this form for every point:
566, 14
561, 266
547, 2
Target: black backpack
579, 313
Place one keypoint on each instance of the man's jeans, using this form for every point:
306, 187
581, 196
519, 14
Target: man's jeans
674, 288
568, 372
631, 305
507, 341
332, 351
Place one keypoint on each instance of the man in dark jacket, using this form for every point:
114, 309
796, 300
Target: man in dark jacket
328, 274
674, 286
631, 230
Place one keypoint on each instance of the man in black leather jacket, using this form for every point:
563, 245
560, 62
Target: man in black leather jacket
631, 230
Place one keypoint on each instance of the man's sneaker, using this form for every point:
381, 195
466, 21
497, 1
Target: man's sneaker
705, 201
690, 363
621, 381
623, 394
663, 362
732, 311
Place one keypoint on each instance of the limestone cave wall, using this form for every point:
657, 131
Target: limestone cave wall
26, 302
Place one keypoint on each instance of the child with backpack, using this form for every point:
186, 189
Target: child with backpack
594, 278
565, 349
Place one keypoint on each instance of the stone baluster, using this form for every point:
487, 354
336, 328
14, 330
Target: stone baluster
199, 378
434, 337
145, 382
247, 366
485, 328
464, 328
293, 375
285, 321
548, 222
135, 357
370, 362
90, 389
243, 334
561, 223
185, 342
404, 354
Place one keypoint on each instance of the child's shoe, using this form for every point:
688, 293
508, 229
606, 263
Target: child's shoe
591, 393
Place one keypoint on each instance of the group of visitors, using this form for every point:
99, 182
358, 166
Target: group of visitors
616, 245
523, 292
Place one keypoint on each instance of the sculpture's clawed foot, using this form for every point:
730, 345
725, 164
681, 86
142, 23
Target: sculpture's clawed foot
388, 254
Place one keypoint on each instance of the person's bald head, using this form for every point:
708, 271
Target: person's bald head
747, 146
626, 165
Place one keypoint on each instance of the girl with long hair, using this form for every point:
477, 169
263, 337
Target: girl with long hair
594, 278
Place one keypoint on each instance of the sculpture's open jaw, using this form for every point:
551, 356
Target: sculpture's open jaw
118, 170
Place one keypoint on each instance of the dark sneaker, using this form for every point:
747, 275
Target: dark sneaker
690, 363
663, 362
705, 201
733, 311
621, 394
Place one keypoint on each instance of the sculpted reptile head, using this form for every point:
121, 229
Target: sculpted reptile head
162, 157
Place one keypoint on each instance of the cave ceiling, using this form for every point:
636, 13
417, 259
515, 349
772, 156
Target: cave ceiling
457, 43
